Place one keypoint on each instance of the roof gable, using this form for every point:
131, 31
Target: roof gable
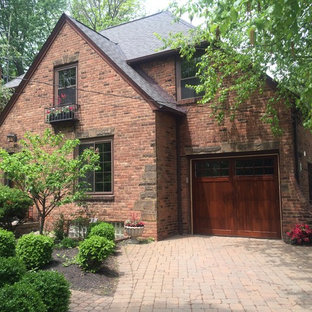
112, 53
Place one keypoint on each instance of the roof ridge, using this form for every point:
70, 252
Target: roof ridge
179, 19
135, 20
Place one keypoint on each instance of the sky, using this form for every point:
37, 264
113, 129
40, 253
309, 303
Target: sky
154, 6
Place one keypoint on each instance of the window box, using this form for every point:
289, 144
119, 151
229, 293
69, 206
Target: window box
61, 113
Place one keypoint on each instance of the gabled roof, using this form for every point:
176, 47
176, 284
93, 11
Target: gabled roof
137, 38
113, 54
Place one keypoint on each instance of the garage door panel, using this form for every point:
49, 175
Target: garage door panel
236, 197
256, 207
214, 211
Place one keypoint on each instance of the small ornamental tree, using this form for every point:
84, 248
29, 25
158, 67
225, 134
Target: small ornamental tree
46, 169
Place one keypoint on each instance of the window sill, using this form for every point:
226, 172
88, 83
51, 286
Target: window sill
189, 101
100, 197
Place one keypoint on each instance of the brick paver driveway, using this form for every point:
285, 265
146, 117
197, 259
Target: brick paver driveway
204, 273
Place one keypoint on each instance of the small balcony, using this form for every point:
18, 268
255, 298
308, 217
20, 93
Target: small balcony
60, 114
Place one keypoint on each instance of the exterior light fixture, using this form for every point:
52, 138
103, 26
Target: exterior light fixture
12, 137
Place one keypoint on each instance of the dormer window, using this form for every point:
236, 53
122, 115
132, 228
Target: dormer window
66, 85
186, 76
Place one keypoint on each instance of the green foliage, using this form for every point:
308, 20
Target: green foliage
67, 242
58, 228
103, 229
25, 25
5, 95
20, 297
245, 40
14, 205
11, 270
46, 169
92, 225
93, 251
52, 287
7, 243
34, 250
101, 14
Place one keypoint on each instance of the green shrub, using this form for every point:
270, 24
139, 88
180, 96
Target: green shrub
11, 270
52, 287
14, 205
92, 252
20, 297
34, 250
58, 228
67, 242
103, 229
7, 243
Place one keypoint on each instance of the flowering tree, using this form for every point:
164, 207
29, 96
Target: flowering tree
47, 171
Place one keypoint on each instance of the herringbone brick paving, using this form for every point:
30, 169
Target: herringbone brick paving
207, 273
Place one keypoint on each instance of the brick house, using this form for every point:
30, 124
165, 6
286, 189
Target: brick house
162, 155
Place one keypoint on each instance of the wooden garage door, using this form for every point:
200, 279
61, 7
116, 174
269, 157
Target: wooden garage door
236, 196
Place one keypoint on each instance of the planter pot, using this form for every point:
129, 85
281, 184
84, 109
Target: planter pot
134, 232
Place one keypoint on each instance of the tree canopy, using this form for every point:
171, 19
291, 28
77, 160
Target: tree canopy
253, 38
100, 14
46, 170
24, 27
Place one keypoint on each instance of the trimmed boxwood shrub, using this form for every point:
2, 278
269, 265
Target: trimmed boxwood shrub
11, 270
34, 250
93, 251
7, 243
20, 297
14, 205
52, 287
103, 229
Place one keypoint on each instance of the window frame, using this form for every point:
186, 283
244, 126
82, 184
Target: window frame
179, 80
56, 83
94, 141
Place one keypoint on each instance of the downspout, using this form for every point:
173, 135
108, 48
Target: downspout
179, 195
294, 123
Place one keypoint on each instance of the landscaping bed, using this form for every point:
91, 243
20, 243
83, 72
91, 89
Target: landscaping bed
104, 282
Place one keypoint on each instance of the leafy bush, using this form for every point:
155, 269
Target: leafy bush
67, 242
93, 251
103, 229
7, 243
301, 234
34, 250
11, 270
14, 205
20, 297
52, 287
58, 228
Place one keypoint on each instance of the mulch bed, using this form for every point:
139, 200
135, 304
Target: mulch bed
102, 283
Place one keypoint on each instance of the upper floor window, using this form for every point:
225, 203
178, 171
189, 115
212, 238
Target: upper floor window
186, 75
66, 85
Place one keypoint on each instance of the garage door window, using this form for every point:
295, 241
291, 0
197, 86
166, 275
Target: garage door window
212, 168
257, 166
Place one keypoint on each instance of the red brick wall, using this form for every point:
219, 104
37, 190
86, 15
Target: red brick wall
131, 123
167, 214
201, 135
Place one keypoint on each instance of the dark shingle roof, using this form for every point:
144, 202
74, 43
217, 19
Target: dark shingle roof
137, 38
115, 54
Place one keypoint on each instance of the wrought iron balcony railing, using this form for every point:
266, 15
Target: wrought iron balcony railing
61, 113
